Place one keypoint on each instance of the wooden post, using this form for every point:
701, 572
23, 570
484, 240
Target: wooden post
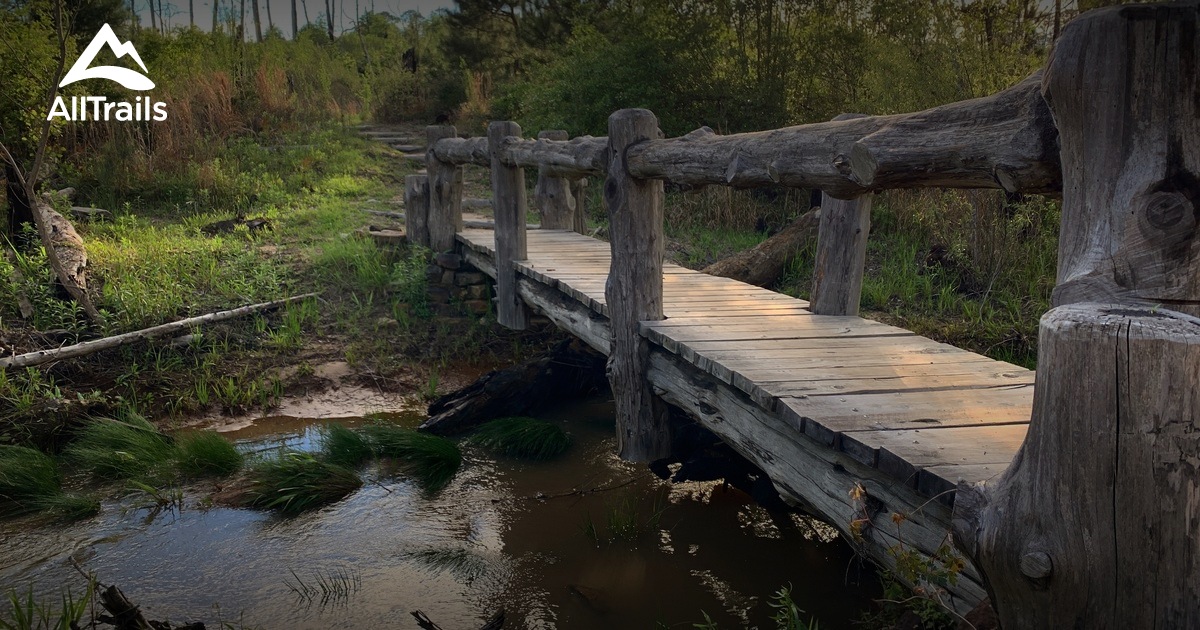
841, 255
416, 209
508, 202
552, 195
445, 192
579, 192
634, 291
1096, 524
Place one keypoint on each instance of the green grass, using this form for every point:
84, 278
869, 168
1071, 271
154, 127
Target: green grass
122, 449
27, 478
30, 482
298, 482
207, 453
525, 438
27, 613
344, 446
431, 460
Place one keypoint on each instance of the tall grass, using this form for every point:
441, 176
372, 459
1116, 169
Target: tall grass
297, 482
431, 460
122, 449
525, 438
207, 453
30, 482
343, 446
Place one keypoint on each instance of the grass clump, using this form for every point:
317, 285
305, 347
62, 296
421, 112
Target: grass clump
27, 477
431, 460
343, 446
121, 449
206, 453
297, 482
29, 482
526, 438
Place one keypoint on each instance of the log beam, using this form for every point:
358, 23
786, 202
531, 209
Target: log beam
634, 290
552, 195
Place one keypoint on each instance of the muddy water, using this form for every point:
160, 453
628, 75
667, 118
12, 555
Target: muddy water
499, 537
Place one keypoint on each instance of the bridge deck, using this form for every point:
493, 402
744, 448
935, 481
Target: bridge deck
926, 413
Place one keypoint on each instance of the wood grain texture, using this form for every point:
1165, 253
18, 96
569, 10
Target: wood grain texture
634, 288
1131, 157
416, 209
445, 192
552, 195
579, 192
1103, 492
508, 199
1007, 140
841, 255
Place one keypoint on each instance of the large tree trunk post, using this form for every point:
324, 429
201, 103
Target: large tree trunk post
552, 195
579, 192
508, 199
1096, 522
634, 290
841, 255
416, 209
445, 192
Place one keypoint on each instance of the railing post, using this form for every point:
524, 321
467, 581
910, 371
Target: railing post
416, 209
445, 192
634, 291
579, 192
552, 195
508, 202
1096, 524
841, 255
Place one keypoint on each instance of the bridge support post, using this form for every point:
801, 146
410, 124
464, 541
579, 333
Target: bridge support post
1096, 523
579, 192
445, 192
416, 209
508, 203
552, 195
841, 255
634, 291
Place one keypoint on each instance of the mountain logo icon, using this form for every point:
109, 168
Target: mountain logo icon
131, 79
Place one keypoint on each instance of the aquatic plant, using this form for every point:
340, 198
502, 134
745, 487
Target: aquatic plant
330, 586
27, 478
296, 482
27, 613
68, 507
343, 446
207, 453
121, 449
431, 460
522, 437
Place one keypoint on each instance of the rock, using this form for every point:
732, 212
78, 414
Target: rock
448, 278
477, 307
478, 292
468, 278
439, 294
433, 273
448, 260
386, 323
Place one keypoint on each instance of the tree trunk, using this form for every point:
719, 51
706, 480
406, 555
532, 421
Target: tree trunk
242, 23
295, 21
19, 210
1096, 522
153, 17
763, 264
257, 21
270, 22
329, 17
192, 13
216, 15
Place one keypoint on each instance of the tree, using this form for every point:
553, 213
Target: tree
257, 22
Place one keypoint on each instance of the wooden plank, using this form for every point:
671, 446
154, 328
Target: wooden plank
903, 454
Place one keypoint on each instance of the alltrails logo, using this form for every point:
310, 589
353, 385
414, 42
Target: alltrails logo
98, 107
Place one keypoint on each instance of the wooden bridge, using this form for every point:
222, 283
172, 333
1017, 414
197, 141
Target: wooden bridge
1075, 502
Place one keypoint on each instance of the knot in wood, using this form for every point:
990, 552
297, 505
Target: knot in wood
1036, 565
1169, 211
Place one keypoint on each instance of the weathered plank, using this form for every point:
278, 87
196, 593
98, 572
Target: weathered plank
445, 192
508, 197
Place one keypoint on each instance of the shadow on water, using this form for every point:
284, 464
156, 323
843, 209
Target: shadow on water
504, 534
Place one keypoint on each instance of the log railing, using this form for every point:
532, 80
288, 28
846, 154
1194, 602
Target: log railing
1096, 523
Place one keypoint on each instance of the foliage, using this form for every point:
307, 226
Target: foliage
30, 482
203, 453
26, 613
129, 448
297, 482
525, 438
343, 446
431, 460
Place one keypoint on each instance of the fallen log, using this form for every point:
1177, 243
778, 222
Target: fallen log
569, 371
85, 212
763, 264
125, 614
39, 357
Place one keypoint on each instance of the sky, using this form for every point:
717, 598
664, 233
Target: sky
281, 11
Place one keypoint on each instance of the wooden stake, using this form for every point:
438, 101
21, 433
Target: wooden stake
416, 207
445, 192
634, 291
508, 199
552, 195
841, 255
